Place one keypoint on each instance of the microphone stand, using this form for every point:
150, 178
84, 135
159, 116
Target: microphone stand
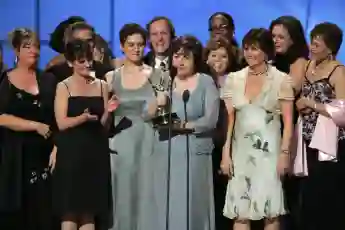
188, 160
169, 156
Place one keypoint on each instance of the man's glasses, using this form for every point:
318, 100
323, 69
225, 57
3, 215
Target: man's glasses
221, 28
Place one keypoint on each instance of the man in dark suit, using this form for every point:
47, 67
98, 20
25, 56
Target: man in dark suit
161, 33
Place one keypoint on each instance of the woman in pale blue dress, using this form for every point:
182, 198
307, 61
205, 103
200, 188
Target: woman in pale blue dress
202, 114
256, 97
136, 202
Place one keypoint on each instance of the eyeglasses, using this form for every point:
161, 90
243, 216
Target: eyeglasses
221, 28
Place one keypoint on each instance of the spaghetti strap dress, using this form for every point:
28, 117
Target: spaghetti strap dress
81, 180
322, 191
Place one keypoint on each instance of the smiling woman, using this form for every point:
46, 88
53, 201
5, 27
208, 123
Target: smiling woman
27, 122
254, 155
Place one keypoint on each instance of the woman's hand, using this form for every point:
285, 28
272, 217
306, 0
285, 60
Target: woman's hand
43, 130
283, 163
113, 103
226, 164
52, 159
303, 105
88, 116
152, 108
226, 167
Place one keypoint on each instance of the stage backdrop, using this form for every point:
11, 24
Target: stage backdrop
188, 16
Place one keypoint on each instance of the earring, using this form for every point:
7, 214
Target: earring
330, 57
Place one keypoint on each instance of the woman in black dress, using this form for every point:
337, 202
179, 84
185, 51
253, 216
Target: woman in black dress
291, 57
81, 191
27, 119
323, 194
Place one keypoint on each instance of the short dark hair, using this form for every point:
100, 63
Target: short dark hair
130, 29
56, 41
168, 21
331, 34
299, 47
76, 27
78, 50
228, 17
20, 36
190, 44
262, 38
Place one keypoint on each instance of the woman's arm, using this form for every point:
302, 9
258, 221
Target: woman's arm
105, 91
61, 107
109, 77
231, 121
17, 123
227, 94
297, 72
286, 100
211, 108
287, 115
9, 121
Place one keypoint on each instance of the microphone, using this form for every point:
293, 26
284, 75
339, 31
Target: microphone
185, 98
167, 220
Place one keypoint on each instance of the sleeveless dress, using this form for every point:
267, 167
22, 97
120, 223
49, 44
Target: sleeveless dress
323, 199
202, 112
82, 183
255, 191
139, 201
25, 182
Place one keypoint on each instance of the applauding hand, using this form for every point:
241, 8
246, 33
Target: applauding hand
88, 116
113, 103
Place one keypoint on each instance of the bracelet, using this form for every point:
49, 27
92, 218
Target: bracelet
314, 107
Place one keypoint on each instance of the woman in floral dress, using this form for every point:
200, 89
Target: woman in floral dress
258, 95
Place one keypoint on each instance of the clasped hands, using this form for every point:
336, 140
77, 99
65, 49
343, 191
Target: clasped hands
305, 105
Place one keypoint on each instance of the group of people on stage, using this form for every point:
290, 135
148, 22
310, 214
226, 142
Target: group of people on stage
80, 148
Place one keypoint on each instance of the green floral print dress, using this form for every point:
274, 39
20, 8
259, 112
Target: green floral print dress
255, 190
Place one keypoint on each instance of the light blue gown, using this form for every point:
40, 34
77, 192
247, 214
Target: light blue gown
136, 204
202, 111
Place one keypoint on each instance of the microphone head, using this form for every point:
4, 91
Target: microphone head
185, 96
